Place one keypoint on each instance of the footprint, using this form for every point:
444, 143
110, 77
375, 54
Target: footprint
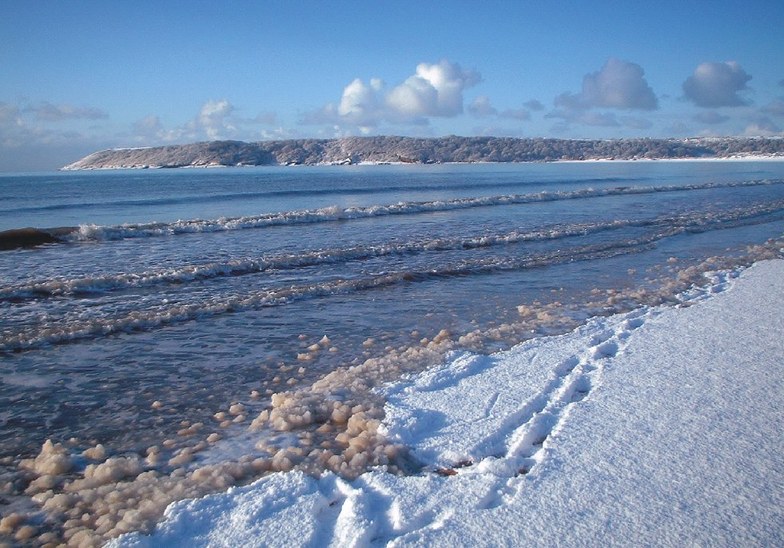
606, 349
601, 337
567, 366
582, 386
633, 323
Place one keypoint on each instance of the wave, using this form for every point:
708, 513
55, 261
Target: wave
336, 213
86, 286
30, 337
175, 276
145, 320
92, 232
238, 196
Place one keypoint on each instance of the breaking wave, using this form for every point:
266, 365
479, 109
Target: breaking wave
86, 286
93, 232
168, 314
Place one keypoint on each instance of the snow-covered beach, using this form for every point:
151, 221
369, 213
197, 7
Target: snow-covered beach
212, 328
659, 426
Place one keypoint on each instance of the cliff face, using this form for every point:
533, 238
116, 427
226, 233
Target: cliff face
421, 151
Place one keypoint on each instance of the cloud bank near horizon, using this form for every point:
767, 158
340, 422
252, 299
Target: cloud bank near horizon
617, 97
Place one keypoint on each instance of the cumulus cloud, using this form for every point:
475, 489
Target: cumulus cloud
434, 90
618, 85
214, 119
715, 85
710, 117
567, 103
362, 104
481, 107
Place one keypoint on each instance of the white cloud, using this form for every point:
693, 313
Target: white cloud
481, 107
446, 79
715, 85
361, 103
214, 119
618, 84
434, 90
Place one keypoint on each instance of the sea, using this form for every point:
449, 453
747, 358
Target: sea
173, 296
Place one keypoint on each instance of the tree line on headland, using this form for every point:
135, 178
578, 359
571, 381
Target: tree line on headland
452, 149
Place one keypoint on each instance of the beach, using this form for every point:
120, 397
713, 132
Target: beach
654, 427
330, 329
386, 274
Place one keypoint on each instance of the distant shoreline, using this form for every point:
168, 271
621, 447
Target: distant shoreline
381, 164
416, 151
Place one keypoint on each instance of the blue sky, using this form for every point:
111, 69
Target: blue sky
79, 76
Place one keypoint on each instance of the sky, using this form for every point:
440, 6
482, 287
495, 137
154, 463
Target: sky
81, 76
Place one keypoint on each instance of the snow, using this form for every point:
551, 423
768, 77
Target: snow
659, 426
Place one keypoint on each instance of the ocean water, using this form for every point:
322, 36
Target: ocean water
177, 293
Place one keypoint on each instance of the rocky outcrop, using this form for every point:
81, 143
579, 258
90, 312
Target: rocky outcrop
390, 149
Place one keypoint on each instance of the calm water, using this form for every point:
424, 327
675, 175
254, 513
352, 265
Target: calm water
195, 287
